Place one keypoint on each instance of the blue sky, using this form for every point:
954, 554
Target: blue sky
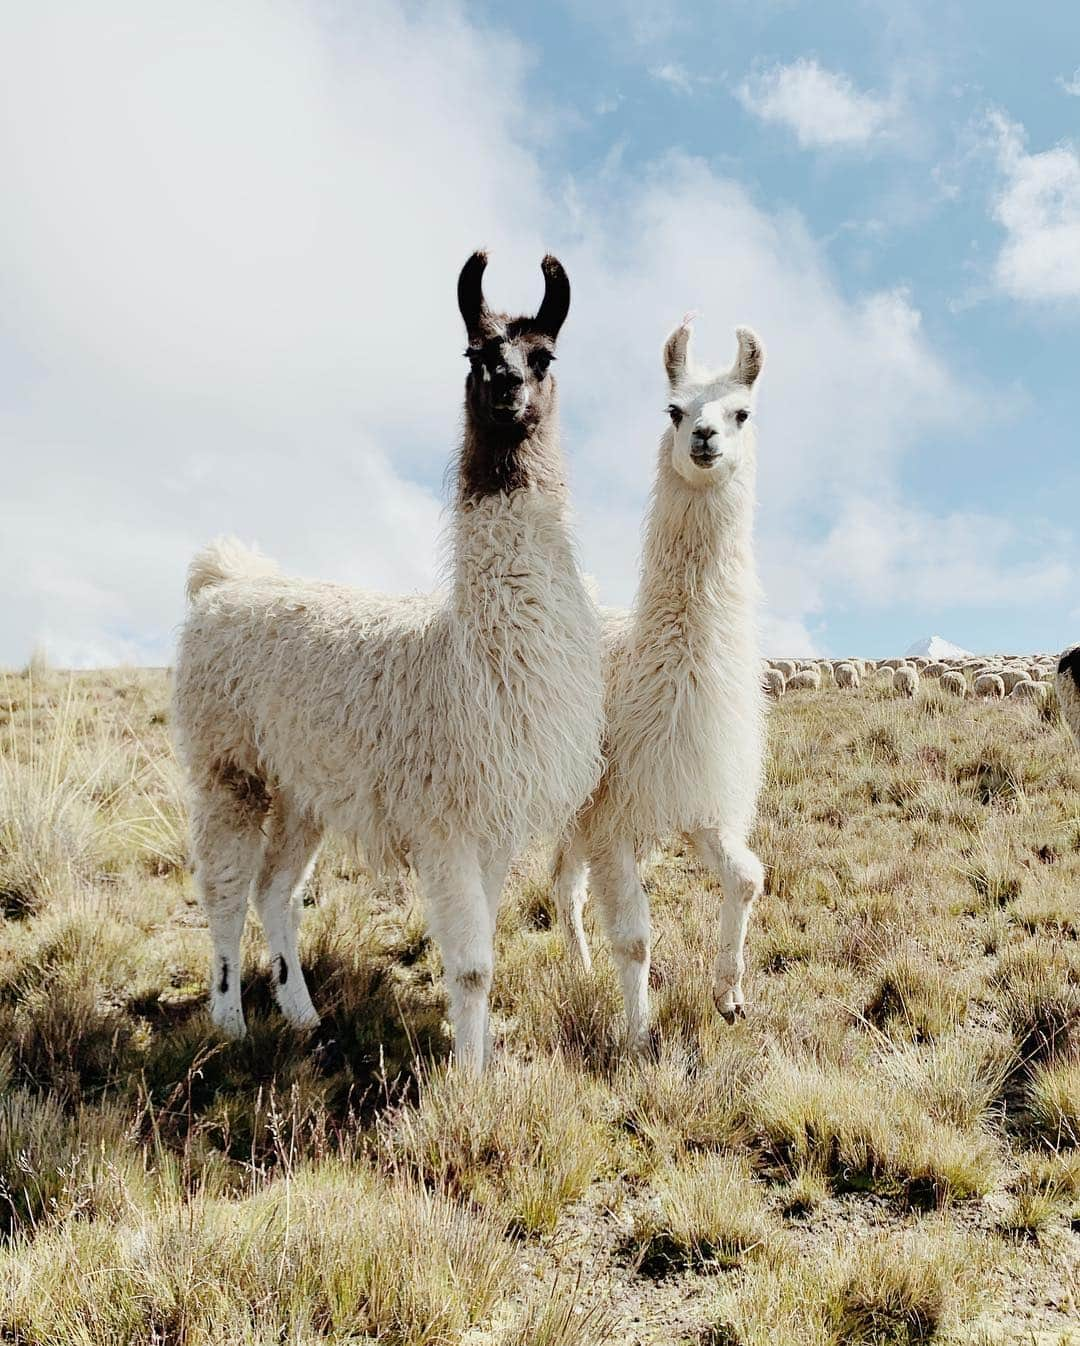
226, 284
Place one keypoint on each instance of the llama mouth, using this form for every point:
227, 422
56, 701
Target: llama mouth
705, 457
506, 415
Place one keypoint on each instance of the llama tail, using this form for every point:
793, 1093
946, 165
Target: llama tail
223, 560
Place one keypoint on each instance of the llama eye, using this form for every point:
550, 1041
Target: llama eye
540, 362
676, 414
742, 416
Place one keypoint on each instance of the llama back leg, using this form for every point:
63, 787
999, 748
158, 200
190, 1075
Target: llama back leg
451, 879
227, 812
292, 843
624, 910
743, 879
571, 883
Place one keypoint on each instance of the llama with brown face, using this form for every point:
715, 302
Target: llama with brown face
447, 730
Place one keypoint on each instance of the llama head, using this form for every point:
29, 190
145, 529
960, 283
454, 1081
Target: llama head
711, 431
508, 385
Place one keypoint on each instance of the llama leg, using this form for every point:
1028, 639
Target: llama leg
227, 811
624, 909
743, 879
292, 843
571, 890
452, 882
494, 877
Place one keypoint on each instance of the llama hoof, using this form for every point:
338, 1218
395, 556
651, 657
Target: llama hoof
730, 1006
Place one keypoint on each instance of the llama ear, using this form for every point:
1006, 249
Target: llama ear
470, 293
750, 358
675, 349
551, 314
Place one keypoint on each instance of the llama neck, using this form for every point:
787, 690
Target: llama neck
698, 557
510, 532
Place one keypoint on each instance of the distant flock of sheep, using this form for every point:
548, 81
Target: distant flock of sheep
990, 679
446, 732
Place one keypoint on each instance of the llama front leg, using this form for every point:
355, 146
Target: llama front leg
742, 878
452, 882
291, 846
571, 882
493, 871
624, 909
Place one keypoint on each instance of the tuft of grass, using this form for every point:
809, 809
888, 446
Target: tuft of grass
706, 1212
993, 775
911, 998
903, 1290
51, 833
683, 1104
321, 1255
519, 1142
868, 1135
562, 1318
1053, 1100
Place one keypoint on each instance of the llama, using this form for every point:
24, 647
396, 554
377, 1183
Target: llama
1068, 688
684, 704
445, 730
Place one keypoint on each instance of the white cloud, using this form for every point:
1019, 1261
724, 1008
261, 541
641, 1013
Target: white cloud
822, 107
227, 264
1038, 205
227, 270
881, 552
675, 76
1071, 85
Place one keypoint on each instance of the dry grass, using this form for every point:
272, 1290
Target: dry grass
885, 1151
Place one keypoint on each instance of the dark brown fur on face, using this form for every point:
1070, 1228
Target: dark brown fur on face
507, 446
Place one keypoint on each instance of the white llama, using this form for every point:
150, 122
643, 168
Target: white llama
447, 729
684, 705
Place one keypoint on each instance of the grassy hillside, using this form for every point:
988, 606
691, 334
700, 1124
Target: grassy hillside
887, 1150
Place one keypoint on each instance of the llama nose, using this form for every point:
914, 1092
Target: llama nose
508, 378
703, 433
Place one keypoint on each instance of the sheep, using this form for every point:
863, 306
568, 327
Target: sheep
685, 727
988, 686
1027, 690
906, 681
1068, 688
774, 683
954, 682
807, 681
1011, 676
785, 666
445, 730
934, 670
847, 675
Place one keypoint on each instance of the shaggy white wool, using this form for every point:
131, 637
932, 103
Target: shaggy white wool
388, 717
684, 706
448, 730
